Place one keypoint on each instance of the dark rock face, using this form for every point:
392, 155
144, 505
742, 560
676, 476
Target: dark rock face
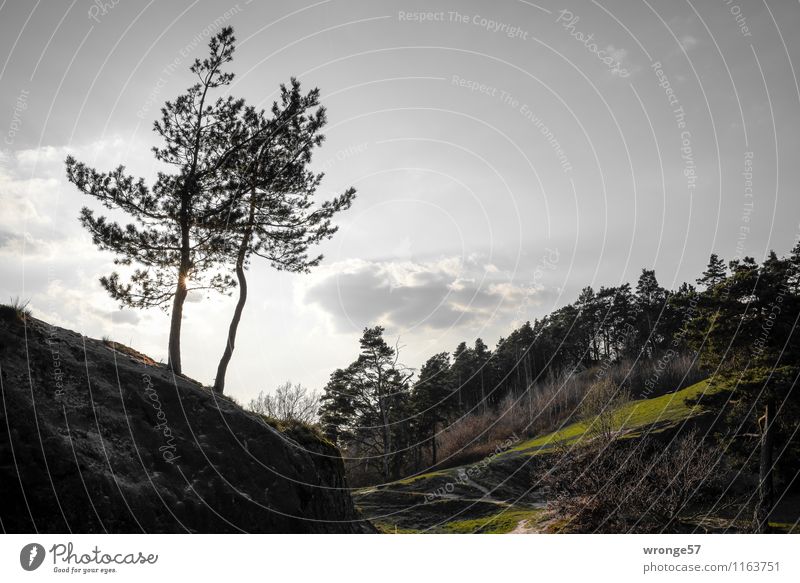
95, 437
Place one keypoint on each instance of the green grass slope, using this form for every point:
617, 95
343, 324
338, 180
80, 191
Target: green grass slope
651, 415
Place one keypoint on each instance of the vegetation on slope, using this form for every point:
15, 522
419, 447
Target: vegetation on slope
502, 495
655, 414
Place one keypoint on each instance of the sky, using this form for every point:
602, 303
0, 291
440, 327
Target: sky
506, 155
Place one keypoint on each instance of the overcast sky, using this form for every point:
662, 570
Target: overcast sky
506, 154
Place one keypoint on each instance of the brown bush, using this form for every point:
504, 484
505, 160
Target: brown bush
632, 486
601, 408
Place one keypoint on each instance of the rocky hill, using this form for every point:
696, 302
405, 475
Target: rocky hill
95, 437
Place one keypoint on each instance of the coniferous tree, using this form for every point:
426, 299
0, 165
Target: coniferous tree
570, 344
431, 398
714, 274
514, 361
604, 300
589, 322
482, 379
273, 215
793, 269
368, 402
462, 370
682, 305
623, 322
650, 302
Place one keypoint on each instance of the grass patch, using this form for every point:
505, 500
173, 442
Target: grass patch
128, 351
298, 430
571, 432
785, 527
672, 407
668, 409
428, 476
501, 523
386, 528
16, 309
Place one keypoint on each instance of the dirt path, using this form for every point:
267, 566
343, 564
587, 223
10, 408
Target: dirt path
542, 525
464, 477
525, 527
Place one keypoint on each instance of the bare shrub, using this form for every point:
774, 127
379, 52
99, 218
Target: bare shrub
601, 408
633, 486
662, 374
541, 408
288, 403
689, 471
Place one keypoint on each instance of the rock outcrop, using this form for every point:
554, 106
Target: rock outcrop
95, 437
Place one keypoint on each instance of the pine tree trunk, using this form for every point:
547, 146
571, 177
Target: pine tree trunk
386, 449
174, 346
433, 445
765, 483
483, 395
387, 443
181, 290
222, 369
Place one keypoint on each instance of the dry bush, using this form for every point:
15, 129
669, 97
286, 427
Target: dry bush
690, 472
465, 440
288, 403
543, 407
663, 374
633, 486
601, 408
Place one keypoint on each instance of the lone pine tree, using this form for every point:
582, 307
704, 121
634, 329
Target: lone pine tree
273, 215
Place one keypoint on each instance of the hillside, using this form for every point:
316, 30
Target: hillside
498, 494
95, 437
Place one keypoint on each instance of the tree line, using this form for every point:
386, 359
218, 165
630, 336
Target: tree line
236, 184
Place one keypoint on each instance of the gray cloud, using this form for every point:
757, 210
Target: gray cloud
434, 295
125, 317
19, 244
